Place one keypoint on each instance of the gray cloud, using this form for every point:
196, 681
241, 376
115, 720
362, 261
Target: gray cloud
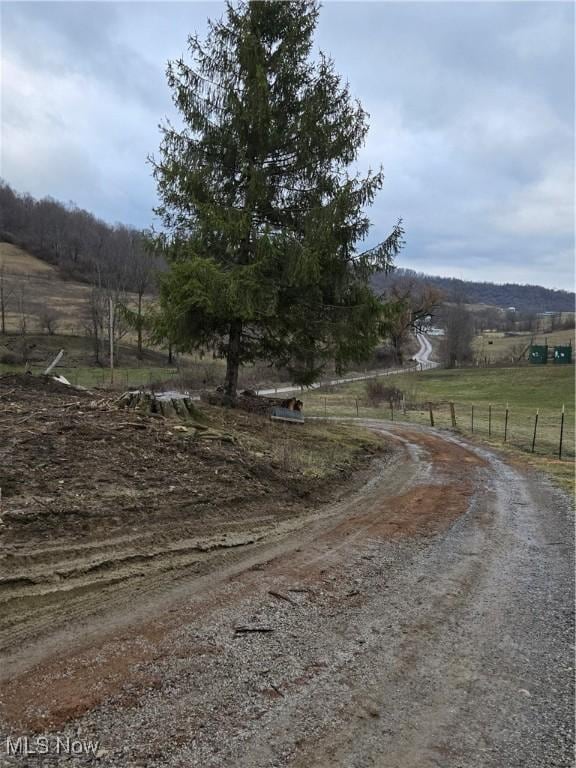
471, 104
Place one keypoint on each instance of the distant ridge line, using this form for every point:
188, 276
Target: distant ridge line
524, 298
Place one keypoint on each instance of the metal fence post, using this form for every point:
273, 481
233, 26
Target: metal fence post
472, 420
490, 420
506, 424
431, 414
535, 428
357, 413
325, 408
391, 410
561, 432
453, 415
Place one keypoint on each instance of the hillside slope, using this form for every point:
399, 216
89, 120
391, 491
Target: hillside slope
31, 287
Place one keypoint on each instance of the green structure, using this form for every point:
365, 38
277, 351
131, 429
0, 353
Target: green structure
563, 355
538, 354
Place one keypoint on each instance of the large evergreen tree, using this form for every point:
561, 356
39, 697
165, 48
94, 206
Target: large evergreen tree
261, 215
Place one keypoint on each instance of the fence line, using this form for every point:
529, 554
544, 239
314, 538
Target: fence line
543, 431
420, 366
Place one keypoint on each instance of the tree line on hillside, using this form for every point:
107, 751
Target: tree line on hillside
115, 261
82, 246
524, 298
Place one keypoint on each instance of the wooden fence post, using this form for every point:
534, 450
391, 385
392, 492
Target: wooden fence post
490, 420
561, 432
453, 415
431, 414
391, 410
535, 428
506, 424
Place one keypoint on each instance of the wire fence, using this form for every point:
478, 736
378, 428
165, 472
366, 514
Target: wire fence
198, 377
543, 431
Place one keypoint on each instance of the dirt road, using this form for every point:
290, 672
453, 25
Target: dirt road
425, 620
424, 352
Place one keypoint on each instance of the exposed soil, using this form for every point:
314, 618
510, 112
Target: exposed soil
421, 619
96, 498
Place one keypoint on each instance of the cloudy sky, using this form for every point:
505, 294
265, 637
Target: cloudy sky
471, 105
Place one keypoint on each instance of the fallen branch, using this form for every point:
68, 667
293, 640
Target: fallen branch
244, 630
29, 416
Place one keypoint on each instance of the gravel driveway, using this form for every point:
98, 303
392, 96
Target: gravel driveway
424, 621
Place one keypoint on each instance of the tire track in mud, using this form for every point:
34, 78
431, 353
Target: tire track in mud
54, 587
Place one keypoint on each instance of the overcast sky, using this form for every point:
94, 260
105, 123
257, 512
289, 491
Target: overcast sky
471, 105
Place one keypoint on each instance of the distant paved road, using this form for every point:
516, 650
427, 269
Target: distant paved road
422, 358
424, 353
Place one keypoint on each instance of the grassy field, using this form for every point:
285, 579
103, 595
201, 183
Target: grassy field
480, 396
31, 286
529, 387
124, 378
191, 371
509, 348
16, 261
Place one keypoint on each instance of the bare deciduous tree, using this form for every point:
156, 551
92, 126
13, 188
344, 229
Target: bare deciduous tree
143, 267
456, 348
48, 320
3, 292
96, 319
411, 303
21, 296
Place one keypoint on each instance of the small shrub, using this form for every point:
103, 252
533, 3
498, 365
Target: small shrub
9, 358
48, 321
7, 237
383, 357
377, 392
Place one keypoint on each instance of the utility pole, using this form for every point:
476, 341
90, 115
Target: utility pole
111, 332
2, 300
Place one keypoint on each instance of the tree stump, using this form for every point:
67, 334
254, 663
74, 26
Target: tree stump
170, 405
